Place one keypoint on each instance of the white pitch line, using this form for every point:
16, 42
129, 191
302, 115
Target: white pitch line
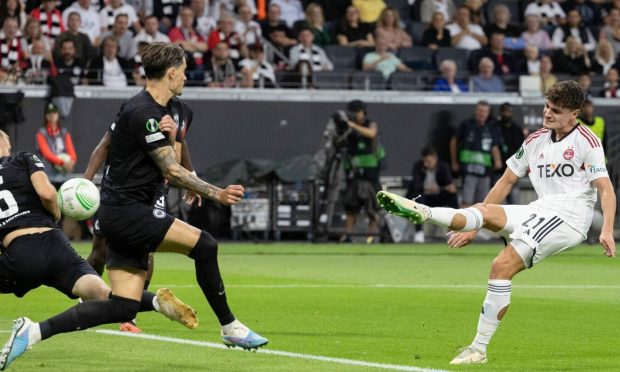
400, 286
350, 362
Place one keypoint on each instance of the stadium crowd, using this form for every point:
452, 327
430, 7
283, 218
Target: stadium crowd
441, 45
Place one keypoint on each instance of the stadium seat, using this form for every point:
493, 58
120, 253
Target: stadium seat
407, 81
343, 58
331, 79
416, 30
402, 7
417, 57
458, 55
367, 80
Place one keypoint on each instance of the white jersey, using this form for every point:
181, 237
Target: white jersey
561, 173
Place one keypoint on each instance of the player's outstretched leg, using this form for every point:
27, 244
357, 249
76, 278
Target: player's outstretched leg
202, 248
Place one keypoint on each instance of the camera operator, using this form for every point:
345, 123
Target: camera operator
362, 164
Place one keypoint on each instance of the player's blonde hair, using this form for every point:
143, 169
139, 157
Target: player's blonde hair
566, 94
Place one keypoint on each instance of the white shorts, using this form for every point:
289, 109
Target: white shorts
536, 235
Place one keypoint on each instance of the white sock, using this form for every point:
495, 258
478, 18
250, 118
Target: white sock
34, 334
156, 304
498, 297
443, 217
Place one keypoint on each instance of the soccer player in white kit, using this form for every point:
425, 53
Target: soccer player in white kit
566, 164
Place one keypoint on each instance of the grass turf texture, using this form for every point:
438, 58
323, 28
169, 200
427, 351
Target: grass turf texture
398, 304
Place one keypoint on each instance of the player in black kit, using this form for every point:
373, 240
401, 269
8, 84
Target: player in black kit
35, 252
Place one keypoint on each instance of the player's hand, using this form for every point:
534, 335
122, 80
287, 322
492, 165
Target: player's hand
232, 194
191, 197
607, 241
167, 125
461, 239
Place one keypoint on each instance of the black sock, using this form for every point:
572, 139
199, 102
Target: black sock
209, 278
146, 302
90, 314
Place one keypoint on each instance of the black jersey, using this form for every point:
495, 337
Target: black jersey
20, 205
131, 175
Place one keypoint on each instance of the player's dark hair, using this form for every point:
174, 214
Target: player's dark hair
566, 94
158, 57
428, 151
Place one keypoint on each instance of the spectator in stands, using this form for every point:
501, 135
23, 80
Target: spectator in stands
530, 65
604, 57
221, 71
109, 14
500, 22
83, 48
466, 35
534, 35
595, 123
315, 21
504, 62
437, 35
429, 8
352, 33
573, 27
547, 78
89, 19
511, 137
280, 48
204, 22
262, 72
291, 10
194, 44
606, 7
370, 10
248, 29
611, 88
587, 10
121, 32
138, 73
150, 32
585, 83
229, 6
448, 81
307, 51
167, 11
49, 18
486, 81
12, 55
389, 27
54, 146
572, 59
432, 182
109, 69
67, 64
382, 59
224, 32
39, 64
611, 31
13, 8
475, 153
550, 12
275, 22
476, 16
32, 32
334, 10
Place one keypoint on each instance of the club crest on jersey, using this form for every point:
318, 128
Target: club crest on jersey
176, 119
152, 125
568, 154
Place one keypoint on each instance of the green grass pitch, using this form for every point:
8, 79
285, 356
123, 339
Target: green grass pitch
402, 305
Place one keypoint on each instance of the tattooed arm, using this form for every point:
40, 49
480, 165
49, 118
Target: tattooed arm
165, 158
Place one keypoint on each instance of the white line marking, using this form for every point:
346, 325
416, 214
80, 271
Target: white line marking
350, 362
399, 286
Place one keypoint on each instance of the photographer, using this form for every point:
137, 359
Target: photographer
362, 164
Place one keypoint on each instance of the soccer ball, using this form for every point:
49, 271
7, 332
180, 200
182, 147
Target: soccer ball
78, 199
65, 158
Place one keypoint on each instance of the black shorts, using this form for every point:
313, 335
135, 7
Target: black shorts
45, 258
132, 232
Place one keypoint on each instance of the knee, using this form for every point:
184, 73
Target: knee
206, 248
124, 309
